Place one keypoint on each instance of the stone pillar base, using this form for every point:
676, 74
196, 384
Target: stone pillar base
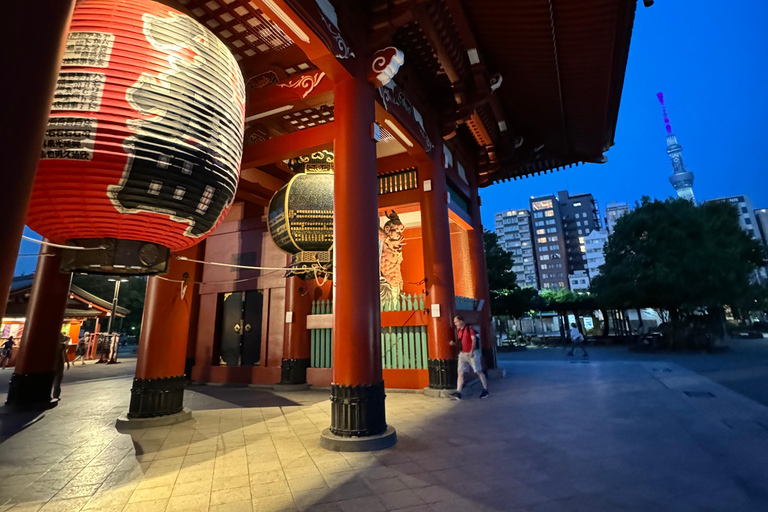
30, 389
294, 371
157, 397
443, 373
357, 411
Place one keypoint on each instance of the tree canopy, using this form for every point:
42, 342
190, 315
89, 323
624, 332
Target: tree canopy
131, 296
677, 256
507, 298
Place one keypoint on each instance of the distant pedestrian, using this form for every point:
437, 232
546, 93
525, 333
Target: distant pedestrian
61, 360
577, 340
6, 352
82, 349
469, 342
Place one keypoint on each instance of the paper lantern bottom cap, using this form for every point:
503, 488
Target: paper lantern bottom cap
115, 257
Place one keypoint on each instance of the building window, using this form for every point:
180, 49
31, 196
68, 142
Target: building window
549, 213
580, 232
540, 231
542, 240
554, 247
551, 230
747, 221
576, 205
542, 205
550, 222
538, 215
544, 267
556, 255
539, 223
552, 238
544, 257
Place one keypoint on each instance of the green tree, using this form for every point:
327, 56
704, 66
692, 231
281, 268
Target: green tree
673, 255
131, 296
507, 298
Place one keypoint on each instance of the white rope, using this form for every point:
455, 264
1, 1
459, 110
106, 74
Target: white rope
230, 265
228, 281
61, 246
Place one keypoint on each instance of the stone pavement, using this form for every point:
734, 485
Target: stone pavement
554, 436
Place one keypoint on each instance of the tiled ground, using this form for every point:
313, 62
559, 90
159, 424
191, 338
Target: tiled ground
554, 436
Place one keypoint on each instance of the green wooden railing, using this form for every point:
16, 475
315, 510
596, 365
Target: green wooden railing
399, 181
321, 340
406, 302
402, 347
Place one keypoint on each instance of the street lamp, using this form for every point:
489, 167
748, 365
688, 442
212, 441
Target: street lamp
111, 357
114, 302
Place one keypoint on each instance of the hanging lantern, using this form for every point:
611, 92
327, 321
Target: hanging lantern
142, 152
301, 215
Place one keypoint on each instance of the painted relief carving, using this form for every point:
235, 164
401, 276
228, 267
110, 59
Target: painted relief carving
306, 82
391, 241
385, 65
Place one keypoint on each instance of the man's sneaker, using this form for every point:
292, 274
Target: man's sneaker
456, 396
484, 394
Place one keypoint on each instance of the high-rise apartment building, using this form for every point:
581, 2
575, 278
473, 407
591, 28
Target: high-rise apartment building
748, 221
595, 242
513, 228
613, 211
580, 218
762, 222
560, 224
549, 242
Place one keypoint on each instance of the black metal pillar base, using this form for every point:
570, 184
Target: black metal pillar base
157, 397
30, 389
443, 373
294, 371
358, 411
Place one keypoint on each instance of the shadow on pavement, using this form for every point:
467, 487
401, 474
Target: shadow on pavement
201, 397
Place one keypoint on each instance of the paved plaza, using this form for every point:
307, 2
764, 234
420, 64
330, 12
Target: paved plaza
554, 436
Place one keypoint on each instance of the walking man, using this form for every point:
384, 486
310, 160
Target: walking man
469, 342
61, 359
577, 340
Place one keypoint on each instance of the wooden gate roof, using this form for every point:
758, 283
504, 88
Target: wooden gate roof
563, 65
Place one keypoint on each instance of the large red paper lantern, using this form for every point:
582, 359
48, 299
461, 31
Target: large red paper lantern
142, 152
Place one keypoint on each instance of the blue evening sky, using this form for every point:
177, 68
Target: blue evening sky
710, 60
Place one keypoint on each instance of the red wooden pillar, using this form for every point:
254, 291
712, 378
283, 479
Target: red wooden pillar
480, 277
34, 68
296, 344
32, 378
357, 389
158, 389
438, 269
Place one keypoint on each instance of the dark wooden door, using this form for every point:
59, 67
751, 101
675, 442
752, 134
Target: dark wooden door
252, 321
231, 328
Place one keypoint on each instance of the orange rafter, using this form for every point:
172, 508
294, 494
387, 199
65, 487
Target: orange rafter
288, 146
298, 88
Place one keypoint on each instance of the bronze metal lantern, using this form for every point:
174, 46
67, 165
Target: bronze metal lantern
301, 215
